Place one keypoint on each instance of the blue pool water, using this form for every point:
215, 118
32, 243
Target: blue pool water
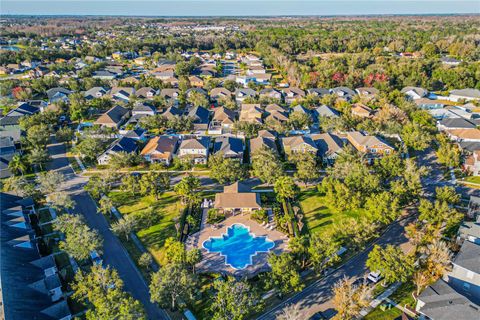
238, 246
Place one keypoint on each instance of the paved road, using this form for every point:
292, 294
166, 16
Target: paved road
317, 297
114, 253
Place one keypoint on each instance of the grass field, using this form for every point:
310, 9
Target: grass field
318, 216
165, 209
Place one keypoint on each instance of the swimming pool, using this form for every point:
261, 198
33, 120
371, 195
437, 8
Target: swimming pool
238, 245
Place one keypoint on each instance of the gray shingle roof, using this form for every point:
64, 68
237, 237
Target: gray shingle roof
442, 302
469, 257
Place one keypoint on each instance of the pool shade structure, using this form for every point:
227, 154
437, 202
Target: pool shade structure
238, 245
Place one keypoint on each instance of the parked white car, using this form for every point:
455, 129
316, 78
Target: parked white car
374, 276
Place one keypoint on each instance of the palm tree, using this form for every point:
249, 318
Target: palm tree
17, 164
39, 157
285, 188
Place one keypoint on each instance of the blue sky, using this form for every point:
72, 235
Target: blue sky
235, 7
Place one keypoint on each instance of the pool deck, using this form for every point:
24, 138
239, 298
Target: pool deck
215, 262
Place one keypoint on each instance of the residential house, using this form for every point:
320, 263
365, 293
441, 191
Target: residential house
465, 94
318, 92
343, 93
473, 207
114, 117
276, 113
7, 151
122, 93
450, 61
465, 274
198, 90
104, 75
440, 301
123, 144
270, 93
324, 111
196, 81
455, 123
370, 145
362, 111
298, 144
251, 113
222, 121
267, 134
169, 94
369, 92
218, 94
461, 135
293, 94
172, 113
428, 104
243, 93
263, 142
195, 150
469, 231
229, 147
146, 93
163, 75
160, 149
10, 123
237, 198
58, 94
472, 163
329, 145
261, 78
95, 92
414, 93
138, 134
201, 118
144, 109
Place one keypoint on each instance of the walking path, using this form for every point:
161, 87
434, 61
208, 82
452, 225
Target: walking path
380, 298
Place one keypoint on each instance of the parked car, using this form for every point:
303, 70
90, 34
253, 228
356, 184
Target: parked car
95, 257
374, 276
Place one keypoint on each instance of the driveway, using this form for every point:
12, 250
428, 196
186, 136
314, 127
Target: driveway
317, 297
114, 254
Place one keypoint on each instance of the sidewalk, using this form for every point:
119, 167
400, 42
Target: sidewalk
380, 298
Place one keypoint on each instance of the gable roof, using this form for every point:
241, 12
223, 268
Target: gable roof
469, 93
367, 141
295, 141
469, 257
224, 115
328, 143
142, 92
172, 112
124, 144
326, 111
457, 123
160, 144
262, 142
237, 195
228, 145
113, 115
13, 116
201, 143
199, 114
58, 90
442, 302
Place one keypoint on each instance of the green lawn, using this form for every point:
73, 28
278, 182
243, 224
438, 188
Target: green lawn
473, 179
165, 209
318, 216
379, 314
